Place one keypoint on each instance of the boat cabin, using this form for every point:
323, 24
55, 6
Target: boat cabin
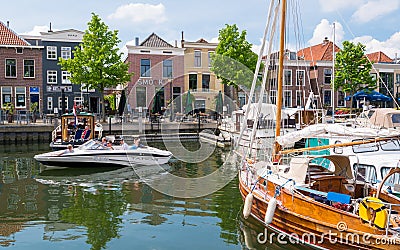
75, 130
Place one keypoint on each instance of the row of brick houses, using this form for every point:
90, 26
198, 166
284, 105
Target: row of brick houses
29, 72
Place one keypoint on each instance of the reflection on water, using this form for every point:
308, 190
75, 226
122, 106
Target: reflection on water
113, 208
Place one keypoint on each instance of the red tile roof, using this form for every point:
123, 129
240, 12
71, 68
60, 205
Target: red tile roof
9, 37
155, 41
319, 52
379, 57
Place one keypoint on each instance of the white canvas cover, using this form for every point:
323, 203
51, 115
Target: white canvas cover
385, 118
325, 130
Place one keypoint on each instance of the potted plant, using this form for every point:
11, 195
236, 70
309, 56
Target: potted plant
9, 108
33, 110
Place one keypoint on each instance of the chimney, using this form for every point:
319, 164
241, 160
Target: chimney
8, 24
176, 44
50, 30
136, 41
325, 41
182, 40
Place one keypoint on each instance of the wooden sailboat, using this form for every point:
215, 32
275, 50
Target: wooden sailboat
315, 206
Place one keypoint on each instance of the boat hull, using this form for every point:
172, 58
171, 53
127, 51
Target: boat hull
109, 158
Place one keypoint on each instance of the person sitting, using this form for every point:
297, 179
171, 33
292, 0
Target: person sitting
109, 145
85, 133
69, 150
136, 143
124, 146
104, 141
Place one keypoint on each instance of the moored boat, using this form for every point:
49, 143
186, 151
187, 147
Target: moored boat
94, 154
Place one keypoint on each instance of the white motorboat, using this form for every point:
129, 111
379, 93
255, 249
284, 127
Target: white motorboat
94, 154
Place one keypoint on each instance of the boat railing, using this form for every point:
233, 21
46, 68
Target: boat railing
54, 133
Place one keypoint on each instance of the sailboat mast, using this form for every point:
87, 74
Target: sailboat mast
333, 75
277, 147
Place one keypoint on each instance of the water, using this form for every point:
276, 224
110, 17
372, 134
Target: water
115, 209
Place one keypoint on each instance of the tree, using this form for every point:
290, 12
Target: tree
353, 70
97, 62
233, 61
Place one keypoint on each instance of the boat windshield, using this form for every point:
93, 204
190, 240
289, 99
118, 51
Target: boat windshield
91, 145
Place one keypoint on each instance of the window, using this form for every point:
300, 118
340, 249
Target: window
197, 58
365, 173
287, 95
338, 150
328, 97
272, 83
299, 98
205, 83
193, 82
5, 95
60, 103
145, 65
51, 52
49, 103
327, 76
392, 145
393, 180
20, 97
272, 94
65, 52
19, 50
141, 97
287, 78
51, 77
11, 68
368, 147
29, 68
300, 81
167, 68
210, 53
341, 97
65, 75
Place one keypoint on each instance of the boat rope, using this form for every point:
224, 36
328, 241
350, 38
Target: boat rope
261, 177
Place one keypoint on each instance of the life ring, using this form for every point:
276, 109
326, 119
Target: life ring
372, 210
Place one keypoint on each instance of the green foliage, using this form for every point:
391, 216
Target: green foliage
9, 108
353, 69
34, 107
97, 61
111, 100
233, 61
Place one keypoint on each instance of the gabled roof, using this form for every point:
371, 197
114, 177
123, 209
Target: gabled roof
156, 42
319, 52
9, 37
379, 57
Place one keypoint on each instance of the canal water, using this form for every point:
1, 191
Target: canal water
43, 208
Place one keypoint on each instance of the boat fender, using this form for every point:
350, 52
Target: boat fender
248, 203
269, 214
372, 210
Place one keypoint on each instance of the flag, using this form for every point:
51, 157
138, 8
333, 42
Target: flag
76, 118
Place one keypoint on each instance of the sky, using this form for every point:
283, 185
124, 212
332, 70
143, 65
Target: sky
375, 23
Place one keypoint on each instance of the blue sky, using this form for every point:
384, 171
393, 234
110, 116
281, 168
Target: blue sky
375, 23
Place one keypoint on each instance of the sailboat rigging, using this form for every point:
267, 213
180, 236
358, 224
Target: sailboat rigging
303, 198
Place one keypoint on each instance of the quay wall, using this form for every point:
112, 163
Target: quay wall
41, 132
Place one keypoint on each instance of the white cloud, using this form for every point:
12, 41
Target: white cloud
325, 29
390, 47
36, 30
140, 12
375, 9
329, 6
